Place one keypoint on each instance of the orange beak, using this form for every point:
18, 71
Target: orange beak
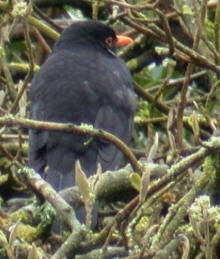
123, 40
211, 3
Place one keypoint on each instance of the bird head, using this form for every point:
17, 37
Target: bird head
91, 33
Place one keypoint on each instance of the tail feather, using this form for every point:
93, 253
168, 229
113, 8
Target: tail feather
60, 181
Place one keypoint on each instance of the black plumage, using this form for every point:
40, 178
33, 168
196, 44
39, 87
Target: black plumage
82, 81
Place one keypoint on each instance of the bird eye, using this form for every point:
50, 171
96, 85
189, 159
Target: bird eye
109, 42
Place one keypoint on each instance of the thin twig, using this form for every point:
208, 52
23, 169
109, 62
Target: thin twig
31, 68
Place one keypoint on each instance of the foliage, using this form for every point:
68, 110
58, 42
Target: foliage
171, 209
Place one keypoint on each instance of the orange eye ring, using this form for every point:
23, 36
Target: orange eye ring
109, 42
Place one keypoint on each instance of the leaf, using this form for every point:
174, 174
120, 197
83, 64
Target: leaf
33, 253
12, 238
135, 181
153, 149
145, 180
82, 181
86, 191
194, 122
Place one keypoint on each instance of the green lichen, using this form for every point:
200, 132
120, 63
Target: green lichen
211, 166
20, 9
143, 224
132, 64
27, 232
86, 126
187, 10
2, 51
20, 215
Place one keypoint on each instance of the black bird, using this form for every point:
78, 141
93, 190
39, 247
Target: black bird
82, 81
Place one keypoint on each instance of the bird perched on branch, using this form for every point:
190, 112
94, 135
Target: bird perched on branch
82, 81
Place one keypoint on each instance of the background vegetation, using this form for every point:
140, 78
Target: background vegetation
173, 183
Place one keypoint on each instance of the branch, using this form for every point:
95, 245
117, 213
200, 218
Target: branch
84, 130
34, 21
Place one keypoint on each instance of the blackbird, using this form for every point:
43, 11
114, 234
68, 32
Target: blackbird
82, 81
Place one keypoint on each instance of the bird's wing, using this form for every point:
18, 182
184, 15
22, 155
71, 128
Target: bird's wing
115, 115
71, 88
